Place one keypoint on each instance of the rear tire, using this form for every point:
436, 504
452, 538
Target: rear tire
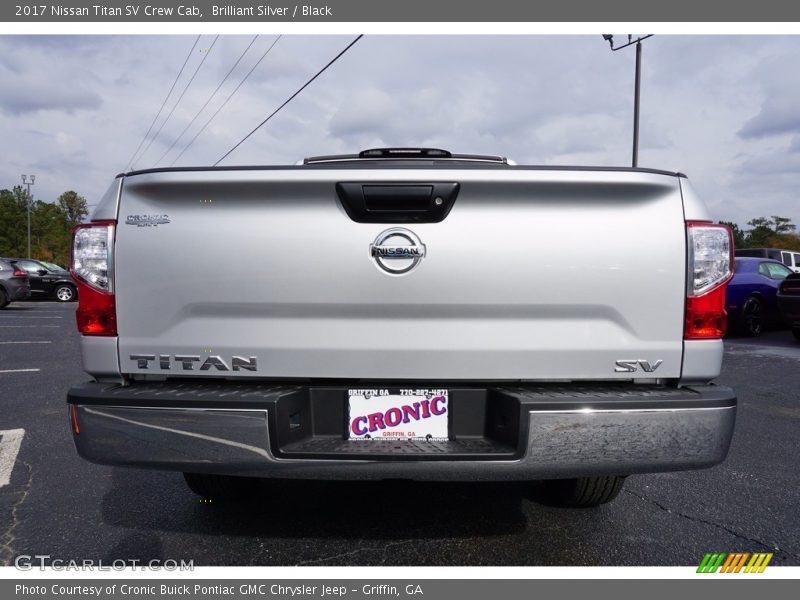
796, 332
221, 487
3, 299
584, 492
751, 320
64, 293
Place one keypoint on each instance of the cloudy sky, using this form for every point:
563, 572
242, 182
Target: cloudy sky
723, 109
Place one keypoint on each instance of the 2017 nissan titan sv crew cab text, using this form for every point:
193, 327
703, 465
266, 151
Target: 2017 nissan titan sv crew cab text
403, 313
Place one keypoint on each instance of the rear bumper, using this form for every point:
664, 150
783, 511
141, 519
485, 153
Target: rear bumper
789, 307
18, 290
561, 431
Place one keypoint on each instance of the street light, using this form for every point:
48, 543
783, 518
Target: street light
28, 202
638, 41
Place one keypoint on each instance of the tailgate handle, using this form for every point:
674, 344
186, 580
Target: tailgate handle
418, 202
400, 198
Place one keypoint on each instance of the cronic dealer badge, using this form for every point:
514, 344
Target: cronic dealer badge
397, 251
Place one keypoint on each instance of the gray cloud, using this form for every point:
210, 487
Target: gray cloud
776, 162
46, 73
777, 117
720, 108
774, 81
18, 97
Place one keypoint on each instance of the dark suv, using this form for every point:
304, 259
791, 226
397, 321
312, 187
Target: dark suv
14, 283
47, 282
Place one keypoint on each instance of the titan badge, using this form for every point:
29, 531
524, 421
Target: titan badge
188, 362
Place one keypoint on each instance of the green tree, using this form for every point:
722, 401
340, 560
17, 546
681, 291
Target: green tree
13, 222
786, 241
773, 232
760, 233
74, 207
51, 224
782, 225
50, 233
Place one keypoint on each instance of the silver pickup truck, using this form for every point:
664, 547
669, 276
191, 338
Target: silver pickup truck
403, 313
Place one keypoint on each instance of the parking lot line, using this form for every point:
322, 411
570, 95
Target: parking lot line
26, 326
20, 371
45, 305
10, 442
15, 317
42, 309
25, 342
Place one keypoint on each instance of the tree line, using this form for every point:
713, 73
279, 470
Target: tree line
772, 232
51, 224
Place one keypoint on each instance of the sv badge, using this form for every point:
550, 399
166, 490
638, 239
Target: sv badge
631, 366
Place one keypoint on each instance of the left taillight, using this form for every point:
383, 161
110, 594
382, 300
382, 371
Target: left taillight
92, 267
19, 272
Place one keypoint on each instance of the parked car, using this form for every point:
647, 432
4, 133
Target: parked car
14, 283
47, 282
789, 303
791, 258
53, 266
751, 297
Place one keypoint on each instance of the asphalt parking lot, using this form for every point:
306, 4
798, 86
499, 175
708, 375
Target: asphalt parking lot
58, 505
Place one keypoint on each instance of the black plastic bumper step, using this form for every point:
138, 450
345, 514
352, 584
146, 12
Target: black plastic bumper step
336, 447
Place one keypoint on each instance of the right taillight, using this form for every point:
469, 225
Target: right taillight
790, 286
709, 268
91, 265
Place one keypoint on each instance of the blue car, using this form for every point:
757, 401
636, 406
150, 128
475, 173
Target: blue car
751, 297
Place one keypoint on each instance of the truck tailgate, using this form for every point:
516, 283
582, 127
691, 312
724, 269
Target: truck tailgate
533, 275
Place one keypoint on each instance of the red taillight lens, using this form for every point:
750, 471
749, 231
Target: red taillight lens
705, 315
710, 268
91, 265
19, 272
97, 311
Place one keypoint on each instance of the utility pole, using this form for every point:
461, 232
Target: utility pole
636, 86
28, 199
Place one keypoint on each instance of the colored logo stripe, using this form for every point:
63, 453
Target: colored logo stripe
758, 563
733, 563
710, 563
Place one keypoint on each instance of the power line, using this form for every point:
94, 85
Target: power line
277, 110
178, 101
211, 97
164, 103
236, 89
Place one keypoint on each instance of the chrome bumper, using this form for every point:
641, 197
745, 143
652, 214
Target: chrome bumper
568, 442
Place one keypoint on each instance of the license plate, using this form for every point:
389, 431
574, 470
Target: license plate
392, 414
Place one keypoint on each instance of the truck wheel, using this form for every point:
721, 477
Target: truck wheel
220, 487
584, 492
64, 293
751, 319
